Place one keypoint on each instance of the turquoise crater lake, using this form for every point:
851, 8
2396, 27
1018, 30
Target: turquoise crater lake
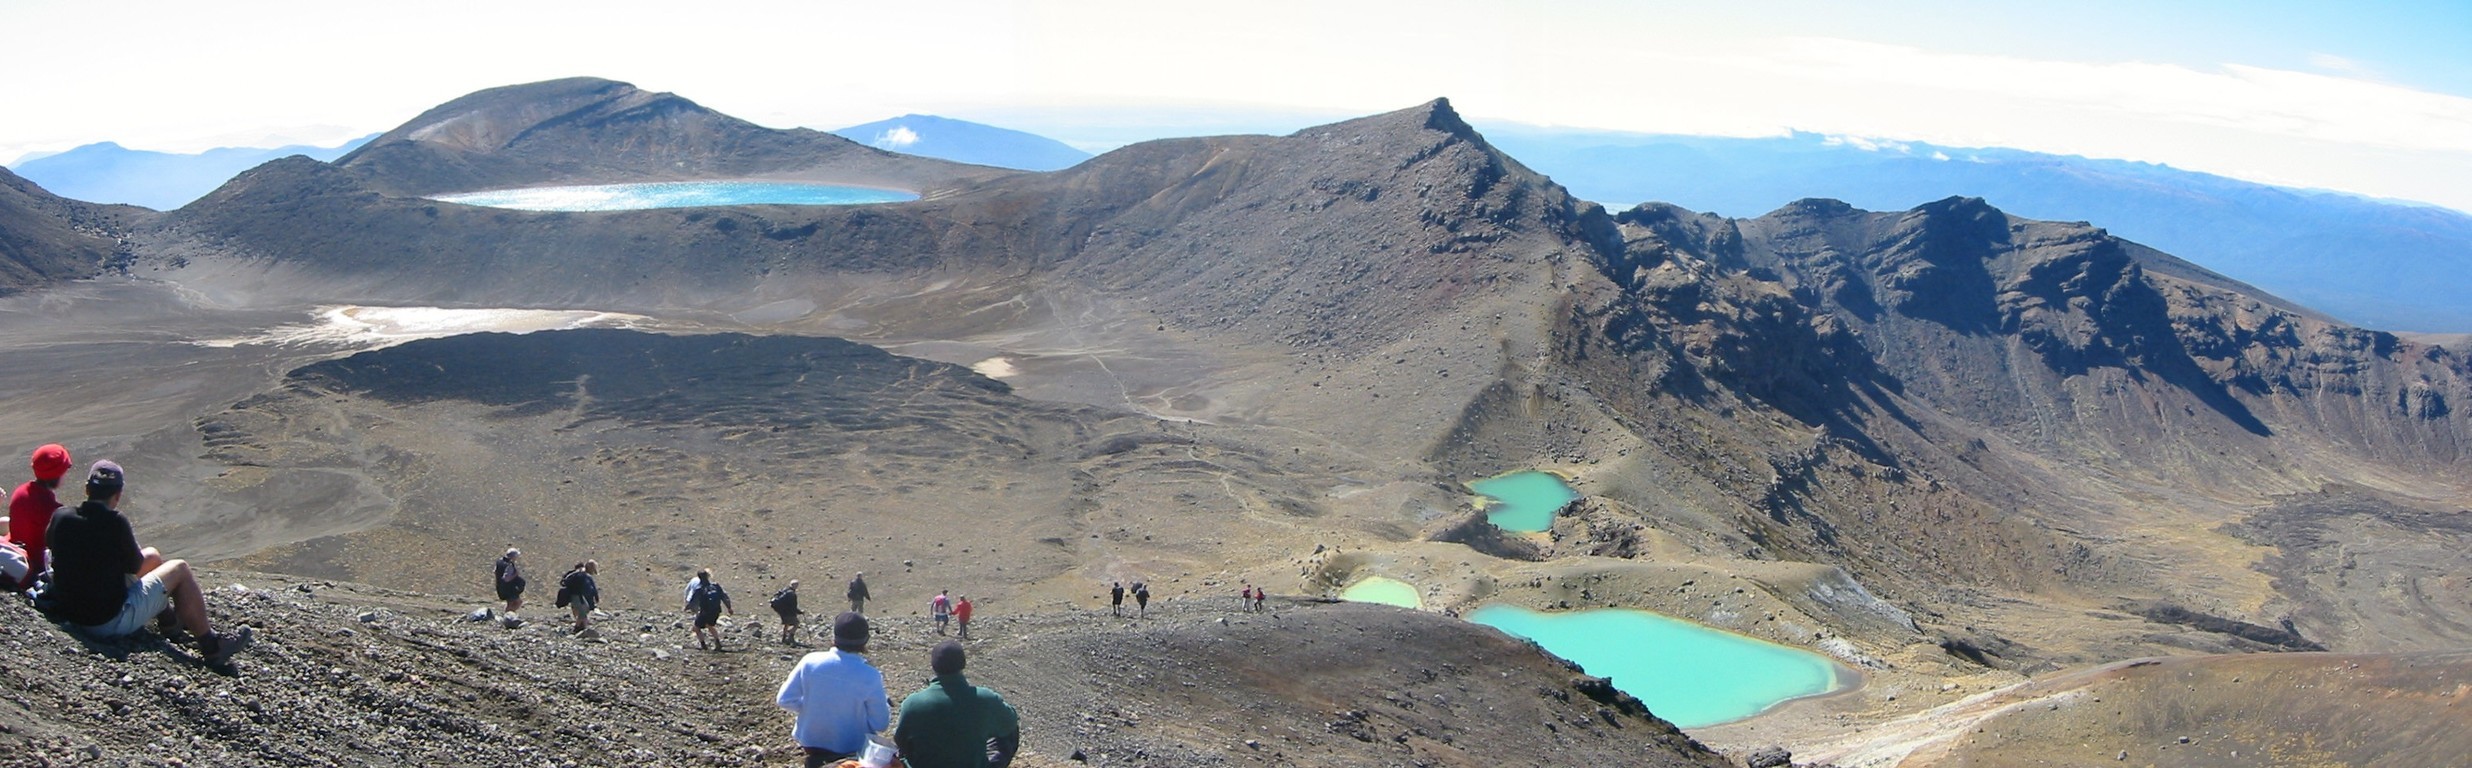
1383, 590
1524, 502
677, 194
1689, 674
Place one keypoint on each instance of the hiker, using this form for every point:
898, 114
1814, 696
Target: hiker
1260, 595
785, 603
838, 696
953, 724
1244, 599
31, 508
696, 583
103, 583
511, 584
579, 592
1141, 597
1115, 599
941, 607
961, 616
710, 601
858, 594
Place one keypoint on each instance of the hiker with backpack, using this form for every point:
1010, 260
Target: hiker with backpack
31, 508
104, 584
785, 603
1141, 598
579, 592
510, 581
858, 594
710, 601
1115, 598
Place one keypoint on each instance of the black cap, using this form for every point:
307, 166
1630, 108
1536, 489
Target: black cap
104, 480
947, 658
850, 631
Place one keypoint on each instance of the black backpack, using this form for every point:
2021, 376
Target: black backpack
709, 597
568, 587
783, 600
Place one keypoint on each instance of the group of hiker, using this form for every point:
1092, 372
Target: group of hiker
82, 565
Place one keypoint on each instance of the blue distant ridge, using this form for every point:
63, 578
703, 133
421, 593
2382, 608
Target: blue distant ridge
963, 141
676, 194
106, 172
2379, 264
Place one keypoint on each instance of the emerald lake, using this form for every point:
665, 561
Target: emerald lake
1524, 502
1689, 674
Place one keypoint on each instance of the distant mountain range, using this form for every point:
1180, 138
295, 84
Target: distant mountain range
109, 173
2394, 266
966, 142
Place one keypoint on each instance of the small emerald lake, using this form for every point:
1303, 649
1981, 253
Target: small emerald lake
1383, 590
1524, 502
1689, 674
677, 194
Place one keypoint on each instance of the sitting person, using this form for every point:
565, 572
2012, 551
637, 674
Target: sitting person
103, 583
953, 724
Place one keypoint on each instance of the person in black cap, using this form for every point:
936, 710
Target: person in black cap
104, 583
838, 696
953, 724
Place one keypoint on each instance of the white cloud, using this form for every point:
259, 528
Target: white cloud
900, 136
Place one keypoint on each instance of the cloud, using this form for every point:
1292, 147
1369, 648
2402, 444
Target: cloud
897, 138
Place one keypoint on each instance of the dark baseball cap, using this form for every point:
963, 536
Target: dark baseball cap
850, 630
104, 479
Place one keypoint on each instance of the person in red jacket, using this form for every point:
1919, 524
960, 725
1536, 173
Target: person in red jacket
31, 507
961, 616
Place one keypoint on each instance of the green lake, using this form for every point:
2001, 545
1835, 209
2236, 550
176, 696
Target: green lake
1524, 502
1689, 674
1387, 591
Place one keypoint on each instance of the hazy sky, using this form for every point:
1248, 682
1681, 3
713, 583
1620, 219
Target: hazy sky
2367, 97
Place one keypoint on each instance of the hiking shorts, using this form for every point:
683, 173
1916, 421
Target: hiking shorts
509, 591
707, 619
148, 598
582, 610
788, 619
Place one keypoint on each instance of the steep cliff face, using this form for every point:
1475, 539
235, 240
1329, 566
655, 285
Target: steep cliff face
45, 238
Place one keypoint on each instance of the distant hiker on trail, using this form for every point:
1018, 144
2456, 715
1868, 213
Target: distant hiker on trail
1259, 595
102, 581
953, 724
710, 601
961, 617
695, 585
858, 594
31, 508
838, 696
785, 603
1115, 599
1244, 599
579, 592
941, 607
1141, 597
511, 584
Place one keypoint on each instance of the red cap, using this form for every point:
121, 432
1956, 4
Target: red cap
50, 462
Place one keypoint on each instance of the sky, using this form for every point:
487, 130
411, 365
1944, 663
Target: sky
2373, 98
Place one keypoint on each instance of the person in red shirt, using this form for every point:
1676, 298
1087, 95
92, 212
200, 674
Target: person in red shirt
961, 615
31, 505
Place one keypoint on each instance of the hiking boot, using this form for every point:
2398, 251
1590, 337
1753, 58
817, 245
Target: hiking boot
228, 643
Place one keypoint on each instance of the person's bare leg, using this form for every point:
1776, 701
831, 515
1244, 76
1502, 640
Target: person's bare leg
188, 600
148, 560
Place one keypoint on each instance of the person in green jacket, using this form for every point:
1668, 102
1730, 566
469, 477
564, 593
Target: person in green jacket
953, 724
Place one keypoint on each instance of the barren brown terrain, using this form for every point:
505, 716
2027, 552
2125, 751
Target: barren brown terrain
1962, 453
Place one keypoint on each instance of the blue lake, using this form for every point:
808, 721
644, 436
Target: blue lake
1387, 591
677, 194
1524, 502
1689, 674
